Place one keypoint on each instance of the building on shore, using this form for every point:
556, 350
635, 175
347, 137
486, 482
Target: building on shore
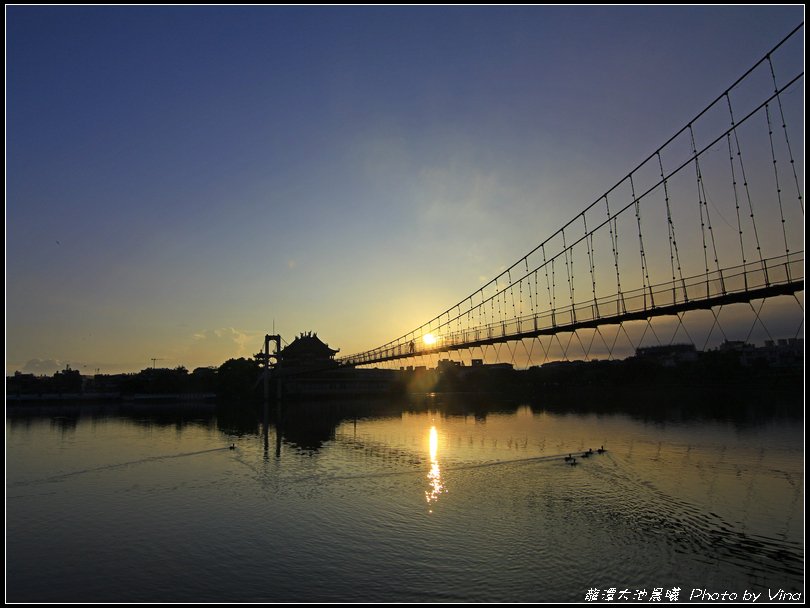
307, 368
668, 355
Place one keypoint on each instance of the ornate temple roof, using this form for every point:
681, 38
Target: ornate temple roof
308, 349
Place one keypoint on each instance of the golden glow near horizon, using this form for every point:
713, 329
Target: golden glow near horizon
428, 339
434, 475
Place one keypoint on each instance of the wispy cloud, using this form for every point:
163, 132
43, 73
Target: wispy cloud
42, 366
215, 346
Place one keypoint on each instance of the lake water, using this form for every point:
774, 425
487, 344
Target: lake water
436, 498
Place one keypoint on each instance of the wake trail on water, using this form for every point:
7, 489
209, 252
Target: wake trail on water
110, 467
419, 469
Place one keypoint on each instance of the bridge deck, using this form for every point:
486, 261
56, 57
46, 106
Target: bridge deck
782, 276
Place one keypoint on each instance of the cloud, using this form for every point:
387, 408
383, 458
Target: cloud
215, 346
42, 367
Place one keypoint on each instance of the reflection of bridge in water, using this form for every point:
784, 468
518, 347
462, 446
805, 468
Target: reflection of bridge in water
714, 217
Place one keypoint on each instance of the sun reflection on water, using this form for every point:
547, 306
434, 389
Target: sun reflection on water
434, 475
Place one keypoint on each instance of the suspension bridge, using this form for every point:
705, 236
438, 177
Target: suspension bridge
713, 217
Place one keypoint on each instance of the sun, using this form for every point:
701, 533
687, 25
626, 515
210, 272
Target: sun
428, 338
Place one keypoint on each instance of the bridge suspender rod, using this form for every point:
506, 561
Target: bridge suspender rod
776, 178
548, 285
569, 270
553, 293
674, 259
531, 300
645, 276
512, 294
614, 243
704, 209
589, 247
742, 171
736, 197
784, 129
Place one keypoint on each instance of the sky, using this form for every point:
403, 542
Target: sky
182, 181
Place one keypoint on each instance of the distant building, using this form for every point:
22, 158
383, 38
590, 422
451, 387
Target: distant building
447, 365
786, 352
501, 366
668, 355
737, 345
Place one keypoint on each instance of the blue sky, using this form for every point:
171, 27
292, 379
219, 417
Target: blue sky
181, 181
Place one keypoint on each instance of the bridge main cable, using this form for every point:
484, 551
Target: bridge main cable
464, 311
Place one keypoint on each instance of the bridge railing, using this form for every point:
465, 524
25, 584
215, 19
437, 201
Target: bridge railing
700, 291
